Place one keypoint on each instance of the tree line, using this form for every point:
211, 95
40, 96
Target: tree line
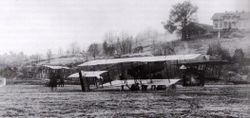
119, 44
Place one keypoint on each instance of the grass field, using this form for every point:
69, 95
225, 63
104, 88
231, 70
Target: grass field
69, 101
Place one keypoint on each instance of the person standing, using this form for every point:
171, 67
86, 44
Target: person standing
53, 80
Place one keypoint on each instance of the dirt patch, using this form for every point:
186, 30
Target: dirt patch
208, 101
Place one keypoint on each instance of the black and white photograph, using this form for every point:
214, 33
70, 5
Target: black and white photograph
125, 59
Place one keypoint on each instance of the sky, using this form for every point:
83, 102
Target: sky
33, 26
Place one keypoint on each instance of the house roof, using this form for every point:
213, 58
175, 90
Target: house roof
203, 26
142, 59
217, 16
242, 15
96, 74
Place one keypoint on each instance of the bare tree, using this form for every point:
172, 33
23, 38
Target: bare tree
12, 59
68, 52
84, 54
49, 55
60, 52
93, 50
36, 58
148, 37
109, 44
124, 44
74, 48
117, 44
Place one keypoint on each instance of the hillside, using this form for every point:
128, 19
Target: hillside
63, 61
201, 46
180, 47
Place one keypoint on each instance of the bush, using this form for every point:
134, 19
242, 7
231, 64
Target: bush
216, 50
238, 56
236, 35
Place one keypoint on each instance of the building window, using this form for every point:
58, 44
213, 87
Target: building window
216, 25
220, 25
233, 24
225, 24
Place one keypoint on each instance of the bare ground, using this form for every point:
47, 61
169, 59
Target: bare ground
209, 101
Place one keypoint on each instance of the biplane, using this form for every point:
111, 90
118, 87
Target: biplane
138, 73
56, 75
